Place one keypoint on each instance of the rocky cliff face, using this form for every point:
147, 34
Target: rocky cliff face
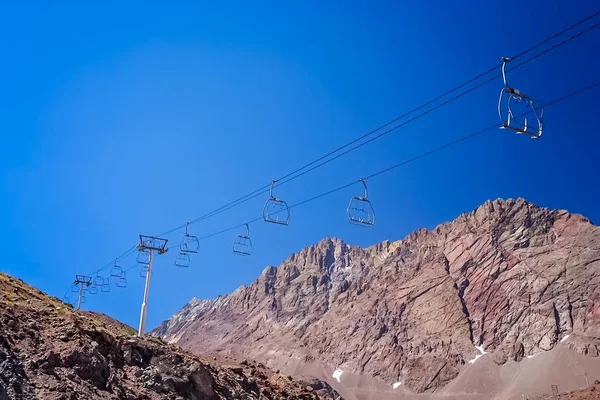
49, 351
510, 278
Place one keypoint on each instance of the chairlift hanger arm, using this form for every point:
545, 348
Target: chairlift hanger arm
366, 191
271, 189
504, 61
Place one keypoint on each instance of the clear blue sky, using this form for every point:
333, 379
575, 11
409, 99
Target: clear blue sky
126, 119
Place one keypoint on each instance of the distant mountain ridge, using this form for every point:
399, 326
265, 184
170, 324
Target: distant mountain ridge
509, 279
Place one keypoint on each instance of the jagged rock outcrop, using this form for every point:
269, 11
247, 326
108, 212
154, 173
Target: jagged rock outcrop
510, 277
49, 351
13, 380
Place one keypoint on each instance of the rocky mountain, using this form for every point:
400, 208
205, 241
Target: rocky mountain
509, 280
49, 351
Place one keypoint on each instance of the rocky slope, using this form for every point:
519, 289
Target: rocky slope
49, 351
510, 279
591, 393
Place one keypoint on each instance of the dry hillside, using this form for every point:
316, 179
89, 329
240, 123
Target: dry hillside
49, 351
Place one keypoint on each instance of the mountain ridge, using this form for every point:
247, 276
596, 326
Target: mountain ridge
509, 278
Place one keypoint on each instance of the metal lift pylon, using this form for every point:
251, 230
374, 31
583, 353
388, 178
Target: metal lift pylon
83, 282
150, 244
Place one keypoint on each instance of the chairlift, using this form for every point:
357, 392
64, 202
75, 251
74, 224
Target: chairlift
189, 243
98, 280
242, 244
93, 290
360, 210
143, 257
144, 272
512, 107
105, 288
83, 298
116, 271
75, 288
276, 210
182, 260
122, 281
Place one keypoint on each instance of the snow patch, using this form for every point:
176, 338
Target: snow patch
396, 385
531, 356
481, 350
565, 338
337, 374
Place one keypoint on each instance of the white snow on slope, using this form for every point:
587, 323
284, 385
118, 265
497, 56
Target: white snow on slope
337, 374
565, 338
481, 350
395, 385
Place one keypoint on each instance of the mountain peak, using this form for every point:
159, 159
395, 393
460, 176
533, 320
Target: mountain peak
510, 277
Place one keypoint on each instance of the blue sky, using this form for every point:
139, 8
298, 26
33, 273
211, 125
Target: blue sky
120, 119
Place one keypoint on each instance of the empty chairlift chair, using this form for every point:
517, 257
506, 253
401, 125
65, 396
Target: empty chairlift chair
276, 210
242, 244
182, 260
143, 257
122, 280
189, 245
116, 271
360, 210
93, 290
514, 106
99, 280
102, 283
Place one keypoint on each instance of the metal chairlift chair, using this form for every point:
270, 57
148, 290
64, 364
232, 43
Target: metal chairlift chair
116, 271
93, 290
144, 272
122, 280
189, 243
143, 257
105, 288
276, 210
360, 210
182, 260
242, 244
512, 107
98, 280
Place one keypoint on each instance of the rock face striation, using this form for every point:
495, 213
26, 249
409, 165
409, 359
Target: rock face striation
48, 351
510, 279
